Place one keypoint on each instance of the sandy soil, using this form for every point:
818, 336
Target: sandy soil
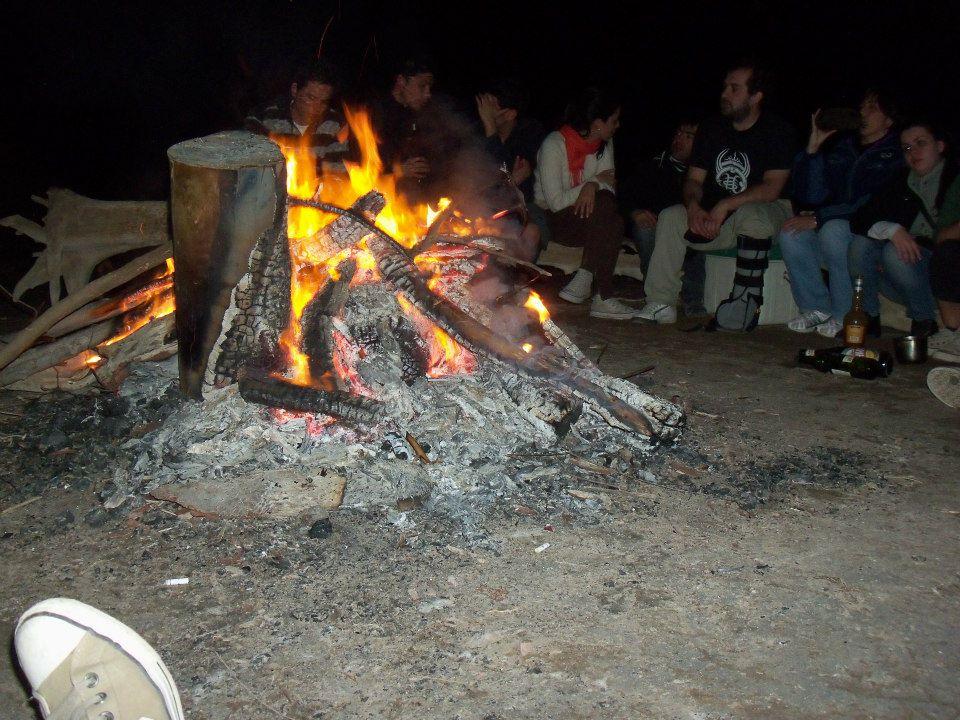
836, 597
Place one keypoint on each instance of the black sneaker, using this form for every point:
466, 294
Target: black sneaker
873, 326
923, 328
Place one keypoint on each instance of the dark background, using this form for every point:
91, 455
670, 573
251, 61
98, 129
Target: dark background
97, 92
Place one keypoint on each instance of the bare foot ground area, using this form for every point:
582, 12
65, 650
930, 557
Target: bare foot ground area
794, 555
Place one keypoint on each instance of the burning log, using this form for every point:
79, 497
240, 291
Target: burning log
103, 365
258, 388
398, 270
79, 233
26, 337
51, 354
228, 206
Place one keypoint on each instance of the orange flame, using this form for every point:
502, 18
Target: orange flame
535, 303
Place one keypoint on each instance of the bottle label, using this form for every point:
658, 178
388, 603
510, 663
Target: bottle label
850, 353
853, 334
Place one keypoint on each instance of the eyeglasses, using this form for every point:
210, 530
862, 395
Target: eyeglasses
919, 145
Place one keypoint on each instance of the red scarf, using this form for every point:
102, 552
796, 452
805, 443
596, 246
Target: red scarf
578, 147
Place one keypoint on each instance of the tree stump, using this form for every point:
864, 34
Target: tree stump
232, 282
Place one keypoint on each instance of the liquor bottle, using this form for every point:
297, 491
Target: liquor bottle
855, 322
855, 362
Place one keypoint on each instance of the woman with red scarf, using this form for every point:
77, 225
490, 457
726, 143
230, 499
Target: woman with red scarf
574, 184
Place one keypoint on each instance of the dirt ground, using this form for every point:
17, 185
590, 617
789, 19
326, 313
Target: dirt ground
829, 599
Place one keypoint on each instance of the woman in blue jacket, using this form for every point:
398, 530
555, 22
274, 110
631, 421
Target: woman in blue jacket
831, 179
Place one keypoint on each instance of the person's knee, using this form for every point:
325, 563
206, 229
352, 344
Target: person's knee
834, 239
860, 252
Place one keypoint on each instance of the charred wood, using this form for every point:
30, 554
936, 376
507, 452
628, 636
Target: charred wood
259, 388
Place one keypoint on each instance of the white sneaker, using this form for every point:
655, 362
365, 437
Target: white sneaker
945, 345
611, 308
81, 662
944, 383
831, 328
654, 312
808, 321
578, 289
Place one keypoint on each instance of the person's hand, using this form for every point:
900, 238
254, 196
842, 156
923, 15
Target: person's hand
415, 167
607, 177
800, 223
906, 246
715, 218
521, 170
487, 109
586, 200
644, 219
698, 220
817, 135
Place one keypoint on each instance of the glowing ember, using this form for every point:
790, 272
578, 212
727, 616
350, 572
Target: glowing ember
535, 303
93, 360
527, 347
447, 356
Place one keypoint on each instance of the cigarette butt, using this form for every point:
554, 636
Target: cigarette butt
171, 582
541, 548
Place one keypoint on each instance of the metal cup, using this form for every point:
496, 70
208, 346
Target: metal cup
910, 349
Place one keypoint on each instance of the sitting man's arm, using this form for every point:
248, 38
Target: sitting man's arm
767, 190
698, 219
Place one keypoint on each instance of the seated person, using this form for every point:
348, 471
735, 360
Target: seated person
396, 118
945, 277
574, 184
513, 139
831, 179
739, 166
894, 232
311, 113
657, 184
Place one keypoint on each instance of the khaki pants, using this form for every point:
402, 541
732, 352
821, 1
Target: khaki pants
756, 220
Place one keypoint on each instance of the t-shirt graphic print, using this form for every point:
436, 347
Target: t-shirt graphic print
732, 171
735, 160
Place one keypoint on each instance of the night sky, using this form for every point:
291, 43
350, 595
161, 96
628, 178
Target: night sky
99, 93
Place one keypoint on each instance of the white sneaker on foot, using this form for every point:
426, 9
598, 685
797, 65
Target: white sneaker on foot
831, 328
945, 345
808, 321
944, 383
579, 287
611, 309
81, 662
654, 312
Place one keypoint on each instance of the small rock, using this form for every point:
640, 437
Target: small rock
54, 440
67, 518
428, 606
96, 517
321, 529
526, 649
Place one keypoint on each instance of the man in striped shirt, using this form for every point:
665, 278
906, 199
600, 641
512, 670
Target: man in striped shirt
310, 114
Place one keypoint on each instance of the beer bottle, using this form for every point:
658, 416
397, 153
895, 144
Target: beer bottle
855, 362
855, 322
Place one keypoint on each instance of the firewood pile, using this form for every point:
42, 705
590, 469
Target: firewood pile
88, 338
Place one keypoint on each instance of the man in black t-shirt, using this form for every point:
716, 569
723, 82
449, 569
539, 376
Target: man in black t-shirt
740, 164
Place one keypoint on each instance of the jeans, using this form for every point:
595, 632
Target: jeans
757, 220
804, 253
694, 268
882, 271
